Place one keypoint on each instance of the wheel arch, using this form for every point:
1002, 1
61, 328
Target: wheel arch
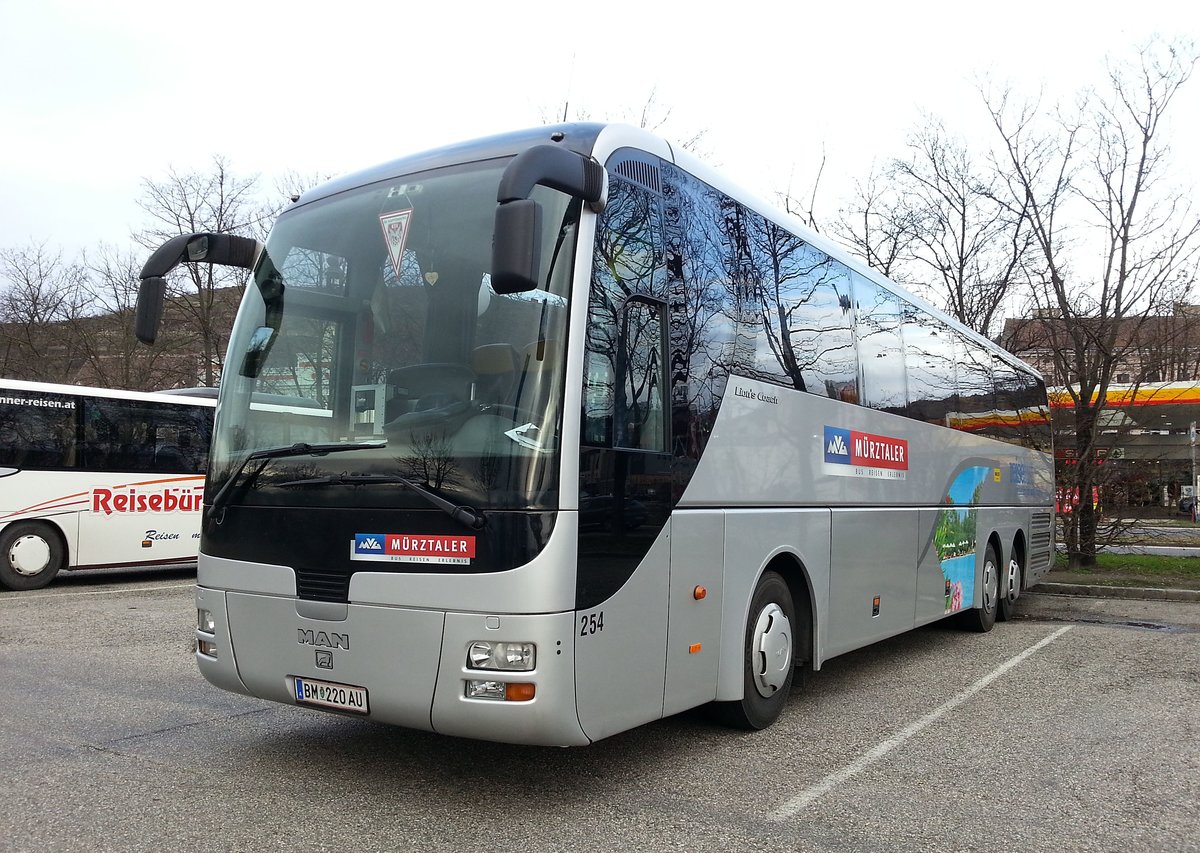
44, 528
54, 527
790, 566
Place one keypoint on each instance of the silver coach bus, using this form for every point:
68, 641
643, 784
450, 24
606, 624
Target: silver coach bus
591, 437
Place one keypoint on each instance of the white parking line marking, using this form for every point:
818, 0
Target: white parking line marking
15, 597
797, 803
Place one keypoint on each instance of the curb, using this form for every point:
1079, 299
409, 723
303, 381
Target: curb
1102, 591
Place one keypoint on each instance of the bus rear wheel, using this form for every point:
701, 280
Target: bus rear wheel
768, 658
982, 618
31, 554
1010, 588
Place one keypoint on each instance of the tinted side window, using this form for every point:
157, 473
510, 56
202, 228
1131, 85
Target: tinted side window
703, 312
880, 347
628, 260
640, 410
1022, 416
801, 316
929, 355
1036, 430
132, 435
976, 397
37, 430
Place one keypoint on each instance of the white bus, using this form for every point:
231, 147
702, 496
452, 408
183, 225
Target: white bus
603, 438
91, 478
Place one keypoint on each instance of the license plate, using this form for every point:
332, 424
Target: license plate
326, 694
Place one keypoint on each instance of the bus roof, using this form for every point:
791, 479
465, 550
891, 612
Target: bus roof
600, 140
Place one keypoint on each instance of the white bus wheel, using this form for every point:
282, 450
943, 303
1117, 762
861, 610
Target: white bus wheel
31, 555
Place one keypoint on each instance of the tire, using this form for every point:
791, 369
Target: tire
768, 658
982, 618
31, 554
1011, 582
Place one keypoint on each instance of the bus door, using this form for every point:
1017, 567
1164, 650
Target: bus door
625, 525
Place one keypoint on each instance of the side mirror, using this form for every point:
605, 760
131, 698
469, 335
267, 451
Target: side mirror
517, 246
226, 250
151, 294
516, 240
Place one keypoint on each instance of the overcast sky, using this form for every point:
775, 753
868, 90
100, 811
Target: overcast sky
96, 97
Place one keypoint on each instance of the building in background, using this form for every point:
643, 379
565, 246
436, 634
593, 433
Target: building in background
1146, 444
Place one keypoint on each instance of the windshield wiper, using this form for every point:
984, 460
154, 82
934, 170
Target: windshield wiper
299, 449
466, 515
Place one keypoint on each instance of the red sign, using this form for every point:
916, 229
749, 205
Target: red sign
878, 451
1067, 498
122, 499
434, 547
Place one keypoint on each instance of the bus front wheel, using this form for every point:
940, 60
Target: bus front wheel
31, 555
768, 658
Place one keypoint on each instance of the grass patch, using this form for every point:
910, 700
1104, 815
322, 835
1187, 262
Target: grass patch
1124, 568
1141, 564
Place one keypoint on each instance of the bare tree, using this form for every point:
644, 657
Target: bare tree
1105, 161
104, 337
806, 213
218, 201
40, 295
970, 247
879, 226
932, 221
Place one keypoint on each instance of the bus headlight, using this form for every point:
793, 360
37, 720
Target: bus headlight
205, 622
508, 657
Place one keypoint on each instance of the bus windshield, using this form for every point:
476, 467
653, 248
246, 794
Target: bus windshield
371, 320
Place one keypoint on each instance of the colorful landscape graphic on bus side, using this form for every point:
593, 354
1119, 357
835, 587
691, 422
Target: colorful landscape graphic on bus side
954, 537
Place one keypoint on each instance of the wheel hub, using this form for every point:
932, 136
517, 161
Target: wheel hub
1012, 586
990, 584
772, 648
29, 555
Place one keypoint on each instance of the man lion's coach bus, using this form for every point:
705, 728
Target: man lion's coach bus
91, 478
601, 438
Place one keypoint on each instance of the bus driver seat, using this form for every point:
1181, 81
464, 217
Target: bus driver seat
426, 394
495, 365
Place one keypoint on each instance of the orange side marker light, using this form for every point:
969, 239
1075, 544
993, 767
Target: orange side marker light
519, 692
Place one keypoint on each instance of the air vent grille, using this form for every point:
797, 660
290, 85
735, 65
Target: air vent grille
640, 173
323, 585
1040, 530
